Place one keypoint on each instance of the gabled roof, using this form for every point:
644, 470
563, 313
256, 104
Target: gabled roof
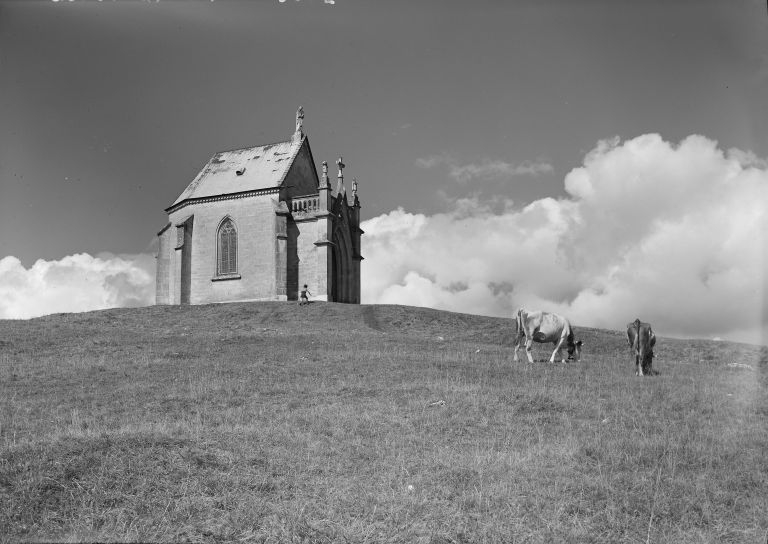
248, 169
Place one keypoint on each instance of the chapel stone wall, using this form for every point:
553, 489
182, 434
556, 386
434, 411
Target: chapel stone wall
254, 219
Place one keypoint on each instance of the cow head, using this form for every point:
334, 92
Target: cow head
574, 350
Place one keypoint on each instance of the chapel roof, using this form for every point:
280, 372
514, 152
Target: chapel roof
247, 169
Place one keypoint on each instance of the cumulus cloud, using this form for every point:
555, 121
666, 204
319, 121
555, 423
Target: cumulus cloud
486, 168
673, 234
76, 283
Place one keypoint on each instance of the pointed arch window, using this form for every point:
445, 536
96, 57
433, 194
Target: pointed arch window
226, 254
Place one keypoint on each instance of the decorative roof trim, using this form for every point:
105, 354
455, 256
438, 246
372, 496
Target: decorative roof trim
230, 196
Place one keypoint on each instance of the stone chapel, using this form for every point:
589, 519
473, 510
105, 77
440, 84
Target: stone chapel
258, 224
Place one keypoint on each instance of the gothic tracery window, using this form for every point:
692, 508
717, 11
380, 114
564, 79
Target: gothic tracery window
226, 262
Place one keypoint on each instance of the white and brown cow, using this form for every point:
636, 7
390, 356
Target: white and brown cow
641, 340
544, 327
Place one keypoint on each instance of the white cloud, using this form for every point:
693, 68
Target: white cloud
484, 169
76, 283
673, 234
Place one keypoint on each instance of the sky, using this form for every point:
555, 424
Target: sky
605, 159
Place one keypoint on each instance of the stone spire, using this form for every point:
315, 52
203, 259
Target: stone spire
354, 190
299, 122
324, 178
340, 185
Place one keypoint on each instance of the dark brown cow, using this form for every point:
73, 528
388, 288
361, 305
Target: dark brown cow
641, 340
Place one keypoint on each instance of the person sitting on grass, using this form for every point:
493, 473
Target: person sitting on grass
304, 297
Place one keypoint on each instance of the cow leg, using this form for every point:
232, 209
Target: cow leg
639, 363
517, 346
558, 346
648, 364
529, 349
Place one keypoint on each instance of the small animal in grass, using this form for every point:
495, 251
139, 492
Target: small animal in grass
304, 296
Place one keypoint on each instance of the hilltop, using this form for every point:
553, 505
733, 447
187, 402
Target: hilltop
331, 422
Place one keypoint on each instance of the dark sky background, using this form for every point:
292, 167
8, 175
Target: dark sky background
603, 158
110, 108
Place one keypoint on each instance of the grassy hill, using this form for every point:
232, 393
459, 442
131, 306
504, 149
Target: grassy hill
334, 423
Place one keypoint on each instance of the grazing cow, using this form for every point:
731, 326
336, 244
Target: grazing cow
641, 340
545, 327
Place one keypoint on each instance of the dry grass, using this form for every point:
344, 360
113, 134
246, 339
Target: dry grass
272, 422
